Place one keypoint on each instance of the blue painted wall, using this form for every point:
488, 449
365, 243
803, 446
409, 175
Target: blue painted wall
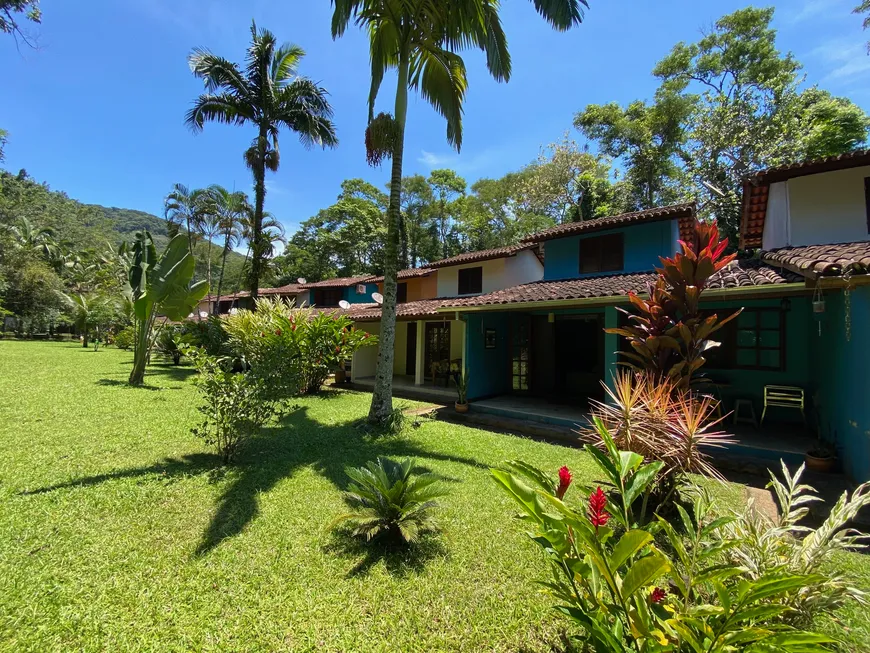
839, 368
488, 369
644, 243
351, 295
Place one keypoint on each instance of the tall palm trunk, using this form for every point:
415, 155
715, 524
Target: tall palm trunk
257, 249
382, 397
189, 238
217, 307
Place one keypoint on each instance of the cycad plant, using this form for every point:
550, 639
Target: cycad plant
391, 502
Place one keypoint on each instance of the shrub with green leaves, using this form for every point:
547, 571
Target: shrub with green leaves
296, 349
392, 503
627, 593
236, 405
125, 338
785, 545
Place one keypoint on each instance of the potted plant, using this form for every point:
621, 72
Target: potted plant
823, 455
461, 404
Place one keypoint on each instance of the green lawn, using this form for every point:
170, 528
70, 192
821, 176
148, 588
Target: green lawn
119, 530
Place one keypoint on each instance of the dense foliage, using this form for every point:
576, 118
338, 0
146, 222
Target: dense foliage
669, 586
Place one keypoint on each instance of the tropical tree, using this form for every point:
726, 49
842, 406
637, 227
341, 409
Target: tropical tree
159, 287
447, 188
231, 209
421, 40
268, 93
30, 237
183, 206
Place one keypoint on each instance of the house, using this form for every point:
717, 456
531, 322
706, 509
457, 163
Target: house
805, 295
330, 292
429, 343
242, 299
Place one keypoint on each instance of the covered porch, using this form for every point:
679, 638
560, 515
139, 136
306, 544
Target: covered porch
428, 355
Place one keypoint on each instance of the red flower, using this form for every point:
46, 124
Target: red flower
293, 328
658, 595
564, 481
277, 332
262, 334
597, 514
338, 350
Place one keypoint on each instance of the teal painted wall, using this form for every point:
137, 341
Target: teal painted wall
644, 243
839, 369
749, 384
488, 369
351, 295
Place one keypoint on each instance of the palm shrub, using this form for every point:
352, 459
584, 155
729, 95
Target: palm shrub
784, 545
626, 593
391, 502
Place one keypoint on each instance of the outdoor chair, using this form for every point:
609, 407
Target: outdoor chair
744, 416
783, 396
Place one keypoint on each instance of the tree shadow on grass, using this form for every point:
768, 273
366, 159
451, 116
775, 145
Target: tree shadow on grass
297, 442
174, 468
174, 372
116, 383
398, 560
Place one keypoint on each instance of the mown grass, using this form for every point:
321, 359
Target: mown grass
121, 531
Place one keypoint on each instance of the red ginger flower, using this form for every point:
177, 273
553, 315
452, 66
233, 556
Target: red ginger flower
658, 595
277, 332
597, 514
564, 481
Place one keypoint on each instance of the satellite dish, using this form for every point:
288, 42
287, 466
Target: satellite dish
378, 297
344, 304
301, 281
203, 314
234, 311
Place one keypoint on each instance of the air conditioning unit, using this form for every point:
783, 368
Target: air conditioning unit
360, 289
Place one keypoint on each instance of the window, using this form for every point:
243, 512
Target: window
402, 293
755, 340
601, 254
327, 297
470, 281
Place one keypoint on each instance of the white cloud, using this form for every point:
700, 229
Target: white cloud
815, 9
845, 59
461, 163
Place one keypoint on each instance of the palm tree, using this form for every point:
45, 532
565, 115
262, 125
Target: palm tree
39, 240
420, 39
272, 232
231, 209
270, 94
184, 206
209, 227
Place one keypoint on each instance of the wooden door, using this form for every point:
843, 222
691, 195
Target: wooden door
411, 350
521, 354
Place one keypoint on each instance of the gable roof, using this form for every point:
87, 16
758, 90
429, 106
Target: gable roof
685, 213
483, 255
289, 289
756, 188
341, 282
408, 310
747, 273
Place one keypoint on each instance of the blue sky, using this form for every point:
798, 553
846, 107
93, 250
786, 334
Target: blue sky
97, 110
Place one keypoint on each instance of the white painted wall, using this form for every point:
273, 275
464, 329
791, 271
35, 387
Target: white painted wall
400, 353
365, 359
498, 273
826, 208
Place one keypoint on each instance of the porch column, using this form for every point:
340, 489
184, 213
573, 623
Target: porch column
419, 372
611, 345
464, 328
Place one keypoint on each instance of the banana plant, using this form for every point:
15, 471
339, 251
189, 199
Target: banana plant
159, 287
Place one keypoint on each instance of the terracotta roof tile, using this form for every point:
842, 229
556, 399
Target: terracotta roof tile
410, 273
483, 255
738, 274
341, 282
685, 213
822, 260
419, 308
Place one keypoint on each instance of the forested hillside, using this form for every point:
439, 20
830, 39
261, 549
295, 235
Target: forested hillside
90, 227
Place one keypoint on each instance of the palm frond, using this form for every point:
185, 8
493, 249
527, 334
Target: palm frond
224, 108
285, 63
217, 72
561, 14
440, 78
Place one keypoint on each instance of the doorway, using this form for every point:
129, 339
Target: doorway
578, 341
437, 344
